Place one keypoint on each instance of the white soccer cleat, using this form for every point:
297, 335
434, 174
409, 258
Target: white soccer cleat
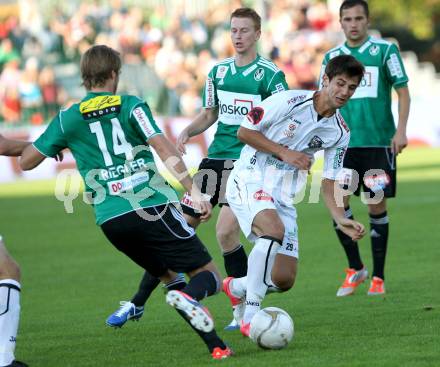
198, 315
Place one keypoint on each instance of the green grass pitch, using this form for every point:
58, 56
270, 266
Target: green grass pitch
73, 279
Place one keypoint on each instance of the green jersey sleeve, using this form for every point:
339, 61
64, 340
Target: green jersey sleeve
277, 83
395, 69
210, 98
52, 141
142, 120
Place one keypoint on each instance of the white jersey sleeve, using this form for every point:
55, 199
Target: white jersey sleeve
334, 155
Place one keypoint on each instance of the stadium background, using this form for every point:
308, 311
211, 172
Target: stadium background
72, 279
168, 48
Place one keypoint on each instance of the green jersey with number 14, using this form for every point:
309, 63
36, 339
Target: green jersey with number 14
368, 112
107, 136
235, 90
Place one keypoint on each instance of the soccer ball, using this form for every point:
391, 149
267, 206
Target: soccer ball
271, 328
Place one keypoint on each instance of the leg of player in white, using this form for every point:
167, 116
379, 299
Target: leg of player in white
270, 231
9, 305
273, 260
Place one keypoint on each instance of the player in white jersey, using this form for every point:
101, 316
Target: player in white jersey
232, 88
261, 188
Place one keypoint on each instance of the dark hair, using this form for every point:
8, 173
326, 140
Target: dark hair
248, 13
347, 4
344, 64
97, 65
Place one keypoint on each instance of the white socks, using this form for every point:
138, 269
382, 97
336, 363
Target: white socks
9, 317
260, 264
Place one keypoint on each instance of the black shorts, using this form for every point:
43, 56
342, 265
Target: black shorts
157, 238
211, 177
376, 169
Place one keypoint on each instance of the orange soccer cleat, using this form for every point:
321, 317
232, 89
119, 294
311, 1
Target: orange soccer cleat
377, 287
352, 279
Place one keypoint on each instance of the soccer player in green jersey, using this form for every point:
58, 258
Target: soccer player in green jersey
233, 87
374, 142
110, 137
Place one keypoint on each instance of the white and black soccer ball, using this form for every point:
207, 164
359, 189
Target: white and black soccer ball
271, 328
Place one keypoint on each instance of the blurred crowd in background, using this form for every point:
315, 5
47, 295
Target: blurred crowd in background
167, 54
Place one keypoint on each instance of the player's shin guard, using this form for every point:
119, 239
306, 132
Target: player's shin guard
351, 247
147, 285
260, 265
379, 240
9, 318
201, 285
236, 262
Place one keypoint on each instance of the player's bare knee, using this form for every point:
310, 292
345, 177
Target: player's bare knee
276, 232
378, 208
284, 272
284, 281
9, 269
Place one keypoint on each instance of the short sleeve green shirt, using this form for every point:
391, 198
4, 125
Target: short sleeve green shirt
368, 112
235, 91
107, 135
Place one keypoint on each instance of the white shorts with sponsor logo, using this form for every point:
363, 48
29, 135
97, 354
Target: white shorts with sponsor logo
247, 197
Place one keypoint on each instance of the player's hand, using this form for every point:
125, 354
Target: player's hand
298, 159
399, 142
182, 139
201, 204
351, 228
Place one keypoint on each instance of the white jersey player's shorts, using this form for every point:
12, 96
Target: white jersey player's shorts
247, 197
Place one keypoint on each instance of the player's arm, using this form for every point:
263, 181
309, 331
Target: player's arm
258, 141
142, 120
168, 153
270, 112
331, 192
12, 148
50, 144
397, 77
400, 141
202, 121
31, 158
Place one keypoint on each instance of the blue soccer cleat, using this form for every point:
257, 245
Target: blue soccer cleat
233, 325
127, 311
